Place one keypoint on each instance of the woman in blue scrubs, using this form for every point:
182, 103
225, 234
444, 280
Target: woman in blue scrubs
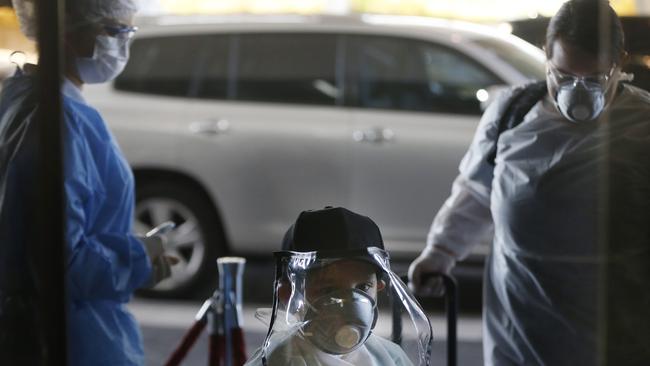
106, 263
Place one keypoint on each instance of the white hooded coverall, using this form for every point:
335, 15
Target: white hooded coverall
569, 205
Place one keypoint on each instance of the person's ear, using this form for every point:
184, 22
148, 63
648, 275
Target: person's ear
381, 285
81, 42
625, 58
71, 44
546, 52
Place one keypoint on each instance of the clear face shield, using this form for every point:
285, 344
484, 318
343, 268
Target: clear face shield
335, 309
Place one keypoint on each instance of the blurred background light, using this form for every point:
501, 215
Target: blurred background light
475, 10
487, 11
10, 40
478, 10
482, 95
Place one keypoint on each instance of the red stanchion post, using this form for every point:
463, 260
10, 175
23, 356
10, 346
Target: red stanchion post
217, 343
239, 351
200, 321
222, 313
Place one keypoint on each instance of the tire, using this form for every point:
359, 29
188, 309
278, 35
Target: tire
198, 235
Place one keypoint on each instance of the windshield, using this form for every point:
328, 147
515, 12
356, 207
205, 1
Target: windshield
524, 62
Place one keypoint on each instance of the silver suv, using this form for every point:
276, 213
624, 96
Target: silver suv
235, 125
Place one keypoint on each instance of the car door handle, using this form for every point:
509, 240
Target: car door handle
211, 127
374, 135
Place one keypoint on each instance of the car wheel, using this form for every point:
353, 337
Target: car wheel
197, 239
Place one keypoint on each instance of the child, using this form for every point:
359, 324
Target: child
329, 274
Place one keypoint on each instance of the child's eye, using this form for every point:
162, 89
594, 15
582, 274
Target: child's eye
365, 287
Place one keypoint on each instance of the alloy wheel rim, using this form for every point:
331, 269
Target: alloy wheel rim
187, 240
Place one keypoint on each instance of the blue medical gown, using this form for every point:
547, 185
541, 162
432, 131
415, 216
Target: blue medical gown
106, 262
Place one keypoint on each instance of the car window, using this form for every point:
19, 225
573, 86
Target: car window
287, 68
400, 74
213, 71
164, 65
528, 65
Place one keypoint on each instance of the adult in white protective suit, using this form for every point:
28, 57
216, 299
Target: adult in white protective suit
326, 291
567, 199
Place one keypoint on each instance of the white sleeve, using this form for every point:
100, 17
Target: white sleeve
465, 219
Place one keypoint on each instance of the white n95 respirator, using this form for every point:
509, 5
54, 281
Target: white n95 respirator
340, 322
580, 102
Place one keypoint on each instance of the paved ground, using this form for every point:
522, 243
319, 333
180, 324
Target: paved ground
164, 322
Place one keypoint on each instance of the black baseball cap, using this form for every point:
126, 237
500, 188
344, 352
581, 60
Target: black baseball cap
332, 229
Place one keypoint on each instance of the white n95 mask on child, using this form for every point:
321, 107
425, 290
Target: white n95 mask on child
341, 321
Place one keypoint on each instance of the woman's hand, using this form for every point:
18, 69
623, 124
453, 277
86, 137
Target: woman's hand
161, 263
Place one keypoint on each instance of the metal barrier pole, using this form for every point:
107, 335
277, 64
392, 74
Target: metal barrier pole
222, 313
48, 251
396, 335
231, 273
451, 307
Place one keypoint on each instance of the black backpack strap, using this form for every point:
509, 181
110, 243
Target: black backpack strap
520, 104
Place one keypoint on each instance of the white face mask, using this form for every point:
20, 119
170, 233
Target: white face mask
341, 321
580, 102
580, 99
109, 59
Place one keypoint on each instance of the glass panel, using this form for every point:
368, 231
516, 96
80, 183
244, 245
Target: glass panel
454, 80
214, 70
390, 74
163, 65
393, 73
288, 68
526, 64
